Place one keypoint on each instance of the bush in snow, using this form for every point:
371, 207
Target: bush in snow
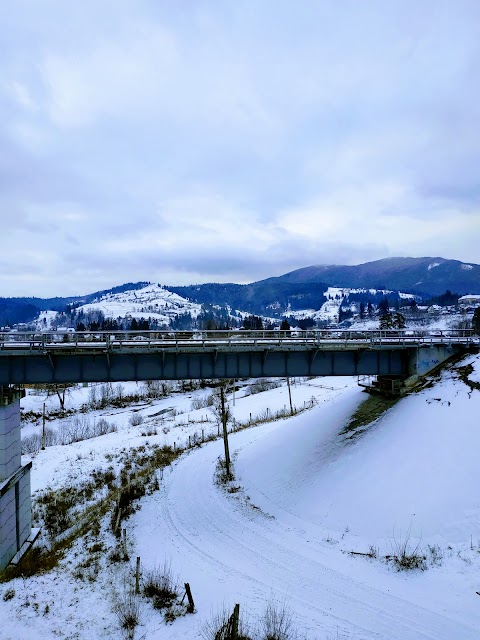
219, 627
74, 430
262, 385
160, 585
128, 609
201, 402
276, 623
407, 555
136, 419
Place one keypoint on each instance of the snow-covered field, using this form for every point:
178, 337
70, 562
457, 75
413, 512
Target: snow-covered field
303, 498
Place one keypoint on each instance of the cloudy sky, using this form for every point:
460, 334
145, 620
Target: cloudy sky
183, 141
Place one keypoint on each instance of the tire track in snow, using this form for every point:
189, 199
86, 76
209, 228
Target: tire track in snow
233, 544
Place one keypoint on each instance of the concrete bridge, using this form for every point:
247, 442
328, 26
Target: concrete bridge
54, 357
113, 357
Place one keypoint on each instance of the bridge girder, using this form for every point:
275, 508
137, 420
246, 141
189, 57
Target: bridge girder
59, 367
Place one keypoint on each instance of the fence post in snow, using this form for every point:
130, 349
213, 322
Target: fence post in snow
290, 396
235, 620
191, 604
124, 542
43, 428
137, 577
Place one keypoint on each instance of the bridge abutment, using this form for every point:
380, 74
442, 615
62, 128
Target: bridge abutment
15, 492
424, 359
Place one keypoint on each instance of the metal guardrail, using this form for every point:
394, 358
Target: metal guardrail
110, 341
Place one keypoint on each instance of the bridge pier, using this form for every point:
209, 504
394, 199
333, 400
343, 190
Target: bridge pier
15, 492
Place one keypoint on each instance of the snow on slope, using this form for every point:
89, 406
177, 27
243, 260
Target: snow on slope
330, 308
316, 497
152, 301
308, 498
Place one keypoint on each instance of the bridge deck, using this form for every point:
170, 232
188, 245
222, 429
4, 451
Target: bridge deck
119, 356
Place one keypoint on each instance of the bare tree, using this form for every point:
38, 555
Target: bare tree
223, 415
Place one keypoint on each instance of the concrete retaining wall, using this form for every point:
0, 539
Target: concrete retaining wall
10, 439
15, 493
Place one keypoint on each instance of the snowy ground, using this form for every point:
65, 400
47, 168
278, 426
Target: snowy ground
304, 498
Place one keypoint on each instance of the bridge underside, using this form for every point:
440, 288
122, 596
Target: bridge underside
176, 365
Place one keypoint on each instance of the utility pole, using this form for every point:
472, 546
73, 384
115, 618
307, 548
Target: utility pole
225, 434
43, 427
290, 396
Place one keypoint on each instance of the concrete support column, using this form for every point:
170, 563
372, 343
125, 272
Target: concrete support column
424, 359
15, 492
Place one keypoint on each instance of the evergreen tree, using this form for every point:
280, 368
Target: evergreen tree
398, 321
362, 310
253, 322
370, 309
285, 326
383, 305
133, 325
386, 321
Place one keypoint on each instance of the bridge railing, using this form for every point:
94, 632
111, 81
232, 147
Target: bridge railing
112, 340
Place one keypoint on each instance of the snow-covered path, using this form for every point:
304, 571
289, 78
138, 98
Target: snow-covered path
230, 552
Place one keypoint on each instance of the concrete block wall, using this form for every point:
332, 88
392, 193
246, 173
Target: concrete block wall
24, 507
8, 528
10, 439
15, 492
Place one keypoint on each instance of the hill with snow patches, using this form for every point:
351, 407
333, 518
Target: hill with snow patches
152, 301
319, 506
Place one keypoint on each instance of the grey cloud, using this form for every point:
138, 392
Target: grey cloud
109, 112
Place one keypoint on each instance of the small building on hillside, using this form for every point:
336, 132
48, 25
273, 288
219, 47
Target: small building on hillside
470, 300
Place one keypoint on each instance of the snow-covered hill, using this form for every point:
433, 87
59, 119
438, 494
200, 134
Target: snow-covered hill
153, 301
329, 310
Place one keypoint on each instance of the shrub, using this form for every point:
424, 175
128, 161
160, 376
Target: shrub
202, 402
218, 627
276, 623
9, 594
407, 555
160, 585
76, 429
436, 555
136, 419
127, 610
261, 385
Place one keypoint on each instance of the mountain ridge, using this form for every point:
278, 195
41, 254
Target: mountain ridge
302, 288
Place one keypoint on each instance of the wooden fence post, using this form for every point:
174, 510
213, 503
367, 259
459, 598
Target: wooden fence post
235, 620
124, 542
191, 604
290, 396
137, 577
43, 427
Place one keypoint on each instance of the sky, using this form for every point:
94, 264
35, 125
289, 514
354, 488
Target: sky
188, 141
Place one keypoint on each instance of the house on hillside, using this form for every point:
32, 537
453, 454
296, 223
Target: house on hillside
470, 300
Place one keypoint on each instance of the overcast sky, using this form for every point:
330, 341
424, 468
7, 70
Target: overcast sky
184, 141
